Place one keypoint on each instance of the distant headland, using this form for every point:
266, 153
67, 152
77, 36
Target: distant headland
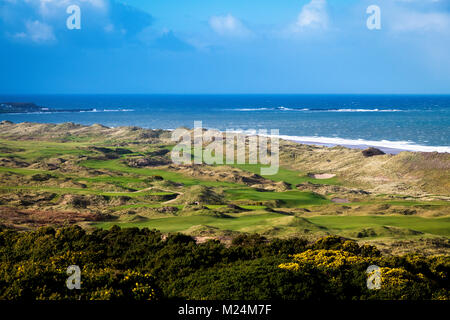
29, 107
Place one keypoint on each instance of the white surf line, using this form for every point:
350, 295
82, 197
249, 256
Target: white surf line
395, 145
399, 145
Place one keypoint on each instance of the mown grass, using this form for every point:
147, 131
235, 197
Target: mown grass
179, 206
116, 165
265, 220
26, 172
45, 149
181, 223
437, 226
292, 198
286, 175
256, 220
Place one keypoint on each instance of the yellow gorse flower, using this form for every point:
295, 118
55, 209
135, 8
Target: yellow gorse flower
323, 258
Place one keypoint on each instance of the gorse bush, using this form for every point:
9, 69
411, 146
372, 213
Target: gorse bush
142, 264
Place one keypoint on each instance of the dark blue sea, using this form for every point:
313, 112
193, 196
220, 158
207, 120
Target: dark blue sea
405, 122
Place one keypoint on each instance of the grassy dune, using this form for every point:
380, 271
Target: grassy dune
344, 224
292, 177
94, 171
349, 226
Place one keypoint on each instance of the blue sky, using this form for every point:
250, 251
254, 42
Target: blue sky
227, 46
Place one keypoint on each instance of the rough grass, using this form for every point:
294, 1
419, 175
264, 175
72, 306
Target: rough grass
83, 191
268, 223
116, 165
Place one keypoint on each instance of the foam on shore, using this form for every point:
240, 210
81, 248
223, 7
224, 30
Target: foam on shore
385, 145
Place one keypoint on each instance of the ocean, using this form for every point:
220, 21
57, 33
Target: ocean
390, 122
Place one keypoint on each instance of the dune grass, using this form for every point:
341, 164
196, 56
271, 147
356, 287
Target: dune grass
256, 220
85, 191
116, 165
290, 176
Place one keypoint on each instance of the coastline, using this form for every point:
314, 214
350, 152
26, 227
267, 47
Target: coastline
414, 124
358, 146
389, 147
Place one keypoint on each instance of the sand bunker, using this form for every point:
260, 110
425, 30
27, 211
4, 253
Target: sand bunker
321, 175
340, 200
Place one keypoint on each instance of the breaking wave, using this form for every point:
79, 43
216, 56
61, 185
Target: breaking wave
316, 110
396, 145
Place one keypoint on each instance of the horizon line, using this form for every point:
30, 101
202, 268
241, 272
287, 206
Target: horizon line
227, 94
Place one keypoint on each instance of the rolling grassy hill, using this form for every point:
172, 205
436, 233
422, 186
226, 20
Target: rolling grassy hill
95, 171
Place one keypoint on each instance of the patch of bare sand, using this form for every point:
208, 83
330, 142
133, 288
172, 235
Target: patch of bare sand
340, 200
321, 175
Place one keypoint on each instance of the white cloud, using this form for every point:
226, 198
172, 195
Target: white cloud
37, 31
416, 16
228, 26
417, 21
107, 22
313, 15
